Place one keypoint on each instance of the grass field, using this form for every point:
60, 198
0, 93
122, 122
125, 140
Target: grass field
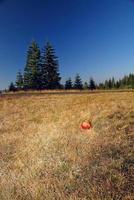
45, 156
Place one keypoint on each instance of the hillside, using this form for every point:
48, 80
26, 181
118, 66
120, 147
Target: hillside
45, 155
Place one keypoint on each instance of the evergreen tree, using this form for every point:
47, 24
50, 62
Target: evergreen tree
32, 69
130, 79
68, 84
62, 86
101, 86
113, 82
85, 86
19, 81
92, 85
110, 84
44, 71
106, 84
12, 87
78, 82
125, 82
117, 84
50, 69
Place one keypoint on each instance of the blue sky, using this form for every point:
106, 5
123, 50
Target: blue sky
91, 37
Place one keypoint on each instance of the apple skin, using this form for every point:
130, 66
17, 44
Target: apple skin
85, 125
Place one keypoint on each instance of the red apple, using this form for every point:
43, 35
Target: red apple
85, 125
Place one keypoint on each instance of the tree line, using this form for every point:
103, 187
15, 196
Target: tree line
127, 82
41, 72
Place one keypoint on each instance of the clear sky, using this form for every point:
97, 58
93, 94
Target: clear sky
91, 37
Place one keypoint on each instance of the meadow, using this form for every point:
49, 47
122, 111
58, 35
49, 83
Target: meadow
44, 155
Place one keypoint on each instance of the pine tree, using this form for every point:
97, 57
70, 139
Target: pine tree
68, 84
113, 83
125, 81
131, 80
62, 86
85, 86
44, 73
109, 84
117, 84
106, 84
92, 85
101, 86
32, 69
78, 82
50, 69
12, 87
19, 81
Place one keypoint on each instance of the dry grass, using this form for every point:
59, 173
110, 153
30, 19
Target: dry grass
44, 154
